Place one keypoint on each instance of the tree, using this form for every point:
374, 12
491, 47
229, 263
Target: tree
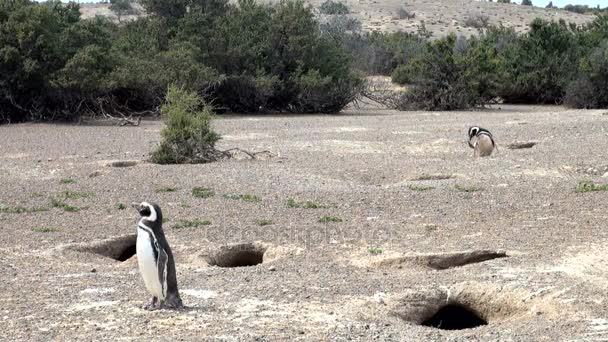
526, 2
121, 7
549, 5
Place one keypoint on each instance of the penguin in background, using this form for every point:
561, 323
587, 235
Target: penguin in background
155, 259
481, 141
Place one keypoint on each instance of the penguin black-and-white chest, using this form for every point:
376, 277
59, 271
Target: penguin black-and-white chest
152, 260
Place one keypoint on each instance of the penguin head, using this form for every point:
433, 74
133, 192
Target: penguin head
150, 212
473, 130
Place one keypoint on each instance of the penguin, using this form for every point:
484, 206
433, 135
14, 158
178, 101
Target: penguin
155, 259
482, 141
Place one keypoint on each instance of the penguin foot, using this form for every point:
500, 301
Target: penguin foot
153, 305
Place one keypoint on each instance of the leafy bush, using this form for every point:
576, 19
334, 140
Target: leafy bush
188, 137
590, 89
406, 73
333, 7
453, 78
539, 64
526, 2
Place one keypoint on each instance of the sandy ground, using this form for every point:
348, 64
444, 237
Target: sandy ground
440, 17
399, 254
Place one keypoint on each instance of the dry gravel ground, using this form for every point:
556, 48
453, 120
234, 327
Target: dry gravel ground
439, 16
399, 255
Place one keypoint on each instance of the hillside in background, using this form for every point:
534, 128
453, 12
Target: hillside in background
440, 17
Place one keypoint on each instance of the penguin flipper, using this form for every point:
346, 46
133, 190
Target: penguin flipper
161, 264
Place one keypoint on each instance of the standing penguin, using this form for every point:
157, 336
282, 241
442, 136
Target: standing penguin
481, 140
155, 259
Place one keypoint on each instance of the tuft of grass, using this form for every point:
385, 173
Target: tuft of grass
328, 219
292, 203
166, 189
120, 206
375, 250
55, 203
465, 188
419, 187
77, 195
184, 205
433, 177
263, 222
200, 192
43, 230
67, 181
37, 194
243, 197
181, 224
589, 186
6, 209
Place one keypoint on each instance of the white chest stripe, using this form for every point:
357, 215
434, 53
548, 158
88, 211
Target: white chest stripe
162, 257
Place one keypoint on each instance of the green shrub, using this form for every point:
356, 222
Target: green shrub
406, 73
541, 63
526, 2
590, 89
333, 8
188, 137
453, 77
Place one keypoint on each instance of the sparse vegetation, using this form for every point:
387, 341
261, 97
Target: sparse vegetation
375, 250
292, 203
478, 21
243, 197
263, 222
415, 187
202, 192
120, 206
67, 181
166, 189
55, 203
589, 186
402, 13
7, 209
329, 219
77, 195
181, 224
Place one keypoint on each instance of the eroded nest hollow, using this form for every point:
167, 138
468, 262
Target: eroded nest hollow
463, 306
119, 248
238, 255
454, 317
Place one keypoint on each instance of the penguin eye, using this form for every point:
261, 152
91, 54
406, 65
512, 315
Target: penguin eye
145, 211
474, 131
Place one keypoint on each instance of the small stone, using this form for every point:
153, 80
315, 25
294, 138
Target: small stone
50, 159
272, 268
93, 270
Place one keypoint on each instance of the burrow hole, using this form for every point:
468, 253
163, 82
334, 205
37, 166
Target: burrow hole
120, 248
454, 317
240, 255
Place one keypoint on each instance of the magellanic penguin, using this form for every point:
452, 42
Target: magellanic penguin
155, 259
482, 141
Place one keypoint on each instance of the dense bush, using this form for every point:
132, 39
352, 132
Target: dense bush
453, 76
188, 137
590, 89
406, 73
244, 57
333, 7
